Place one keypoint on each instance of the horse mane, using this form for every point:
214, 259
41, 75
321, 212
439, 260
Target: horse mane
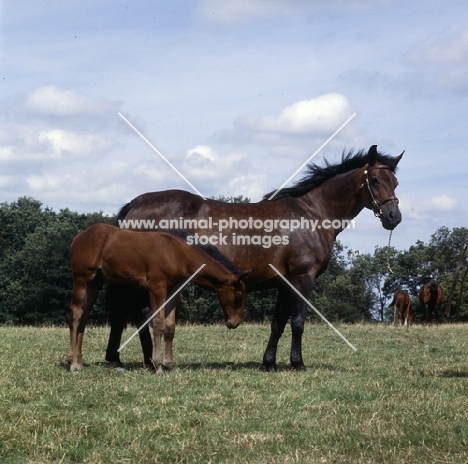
317, 175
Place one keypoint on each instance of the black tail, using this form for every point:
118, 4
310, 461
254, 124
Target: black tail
433, 291
125, 210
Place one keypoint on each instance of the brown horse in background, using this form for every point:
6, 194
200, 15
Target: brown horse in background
158, 263
326, 195
431, 296
402, 304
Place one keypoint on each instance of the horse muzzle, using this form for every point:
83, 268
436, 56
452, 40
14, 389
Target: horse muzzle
390, 215
233, 324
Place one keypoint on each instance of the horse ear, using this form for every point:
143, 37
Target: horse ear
372, 155
398, 158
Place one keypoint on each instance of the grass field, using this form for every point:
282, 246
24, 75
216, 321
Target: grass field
401, 398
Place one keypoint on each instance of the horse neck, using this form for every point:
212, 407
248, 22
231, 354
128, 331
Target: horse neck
213, 274
342, 196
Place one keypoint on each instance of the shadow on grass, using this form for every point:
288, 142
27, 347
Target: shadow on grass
218, 366
450, 373
447, 374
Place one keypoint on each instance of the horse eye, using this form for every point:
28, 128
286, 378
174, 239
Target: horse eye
375, 180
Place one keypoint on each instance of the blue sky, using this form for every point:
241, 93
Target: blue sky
237, 95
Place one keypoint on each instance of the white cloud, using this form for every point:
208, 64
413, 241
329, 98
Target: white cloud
438, 50
443, 203
204, 162
418, 208
34, 144
77, 145
104, 184
51, 100
236, 11
324, 113
249, 185
444, 61
242, 10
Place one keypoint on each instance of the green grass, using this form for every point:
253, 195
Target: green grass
401, 398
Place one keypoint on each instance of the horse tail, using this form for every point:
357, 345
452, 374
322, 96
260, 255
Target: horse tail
125, 210
433, 292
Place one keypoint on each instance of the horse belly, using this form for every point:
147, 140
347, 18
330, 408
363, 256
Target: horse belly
123, 265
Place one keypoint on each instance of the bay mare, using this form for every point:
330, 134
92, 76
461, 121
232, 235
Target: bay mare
431, 296
325, 194
155, 262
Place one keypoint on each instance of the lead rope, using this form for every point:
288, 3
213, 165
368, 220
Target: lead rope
388, 253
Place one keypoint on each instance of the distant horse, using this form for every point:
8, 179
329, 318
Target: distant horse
402, 304
431, 296
300, 224
156, 262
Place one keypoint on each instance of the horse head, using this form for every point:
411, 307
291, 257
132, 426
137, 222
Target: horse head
380, 183
232, 299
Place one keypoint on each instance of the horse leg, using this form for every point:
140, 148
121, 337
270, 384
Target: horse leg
117, 321
145, 338
74, 321
169, 332
278, 323
122, 303
157, 298
84, 296
429, 314
298, 316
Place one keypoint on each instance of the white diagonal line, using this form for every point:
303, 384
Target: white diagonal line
313, 307
160, 154
163, 305
316, 152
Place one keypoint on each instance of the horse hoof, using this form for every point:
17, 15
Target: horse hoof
298, 366
270, 367
118, 366
76, 367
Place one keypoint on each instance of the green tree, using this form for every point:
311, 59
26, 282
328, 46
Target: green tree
35, 276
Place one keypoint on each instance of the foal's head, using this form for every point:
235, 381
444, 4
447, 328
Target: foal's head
231, 296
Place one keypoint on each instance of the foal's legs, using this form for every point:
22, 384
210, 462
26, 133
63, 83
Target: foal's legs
169, 332
84, 296
157, 299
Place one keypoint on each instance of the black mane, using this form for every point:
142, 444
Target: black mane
317, 175
210, 250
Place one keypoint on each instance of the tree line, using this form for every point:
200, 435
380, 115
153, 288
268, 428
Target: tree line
36, 283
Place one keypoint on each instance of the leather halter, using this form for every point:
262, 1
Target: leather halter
376, 204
